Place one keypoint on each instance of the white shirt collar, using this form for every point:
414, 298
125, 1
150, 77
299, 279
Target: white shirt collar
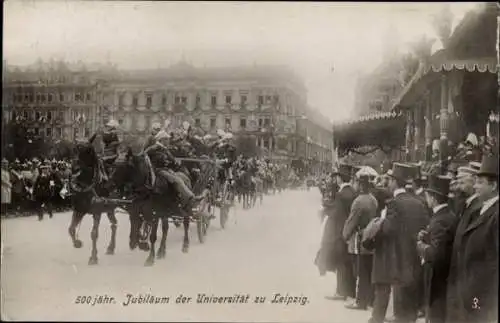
344, 185
399, 191
419, 191
488, 203
469, 200
437, 208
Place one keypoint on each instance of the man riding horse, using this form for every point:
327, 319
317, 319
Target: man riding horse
163, 160
111, 143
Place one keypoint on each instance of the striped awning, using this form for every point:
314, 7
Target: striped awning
380, 129
439, 63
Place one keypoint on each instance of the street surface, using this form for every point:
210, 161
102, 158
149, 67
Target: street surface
263, 251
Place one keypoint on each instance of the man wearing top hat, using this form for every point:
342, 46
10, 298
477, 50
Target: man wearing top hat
474, 280
43, 191
338, 214
435, 245
111, 143
396, 261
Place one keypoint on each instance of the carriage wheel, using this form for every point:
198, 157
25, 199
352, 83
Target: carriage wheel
202, 222
199, 229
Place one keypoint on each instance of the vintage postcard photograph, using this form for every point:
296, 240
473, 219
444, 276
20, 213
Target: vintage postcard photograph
199, 161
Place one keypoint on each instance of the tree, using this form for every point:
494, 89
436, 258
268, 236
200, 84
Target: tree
442, 22
22, 142
410, 66
246, 146
422, 48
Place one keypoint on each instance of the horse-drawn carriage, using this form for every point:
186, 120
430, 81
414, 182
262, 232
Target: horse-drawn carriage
133, 185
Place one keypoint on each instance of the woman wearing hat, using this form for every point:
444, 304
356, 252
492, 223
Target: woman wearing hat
363, 210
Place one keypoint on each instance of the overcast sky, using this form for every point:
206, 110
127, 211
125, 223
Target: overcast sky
310, 37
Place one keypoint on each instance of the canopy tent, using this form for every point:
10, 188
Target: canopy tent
383, 130
464, 52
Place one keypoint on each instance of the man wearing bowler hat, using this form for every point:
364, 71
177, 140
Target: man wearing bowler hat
363, 210
435, 245
468, 205
341, 207
476, 281
396, 261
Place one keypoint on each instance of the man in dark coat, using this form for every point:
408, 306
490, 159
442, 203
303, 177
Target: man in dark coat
43, 191
419, 180
162, 160
435, 245
363, 210
469, 205
341, 208
396, 261
473, 285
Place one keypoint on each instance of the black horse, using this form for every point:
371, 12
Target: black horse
153, 199
87, 188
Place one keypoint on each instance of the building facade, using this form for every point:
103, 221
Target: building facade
53, 100
265, 103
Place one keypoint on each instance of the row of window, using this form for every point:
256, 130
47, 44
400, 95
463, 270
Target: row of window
58, 132
180, 99
50, 97
30, 115
263, 122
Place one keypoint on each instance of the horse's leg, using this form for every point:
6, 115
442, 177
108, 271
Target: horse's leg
75, 221
152, 239
164, 232
186, 221
135, 224
94, 234
114, 224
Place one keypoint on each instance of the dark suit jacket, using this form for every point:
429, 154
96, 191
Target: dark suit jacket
42, 189
337, 215
454, 307
437, 254
395, 257
473, 280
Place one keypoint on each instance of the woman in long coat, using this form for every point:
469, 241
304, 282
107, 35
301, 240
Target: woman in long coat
325, 257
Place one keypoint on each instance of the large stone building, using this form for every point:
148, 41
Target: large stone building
265, 103
54, 100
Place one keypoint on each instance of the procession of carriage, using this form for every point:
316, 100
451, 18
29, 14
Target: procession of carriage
177, 177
